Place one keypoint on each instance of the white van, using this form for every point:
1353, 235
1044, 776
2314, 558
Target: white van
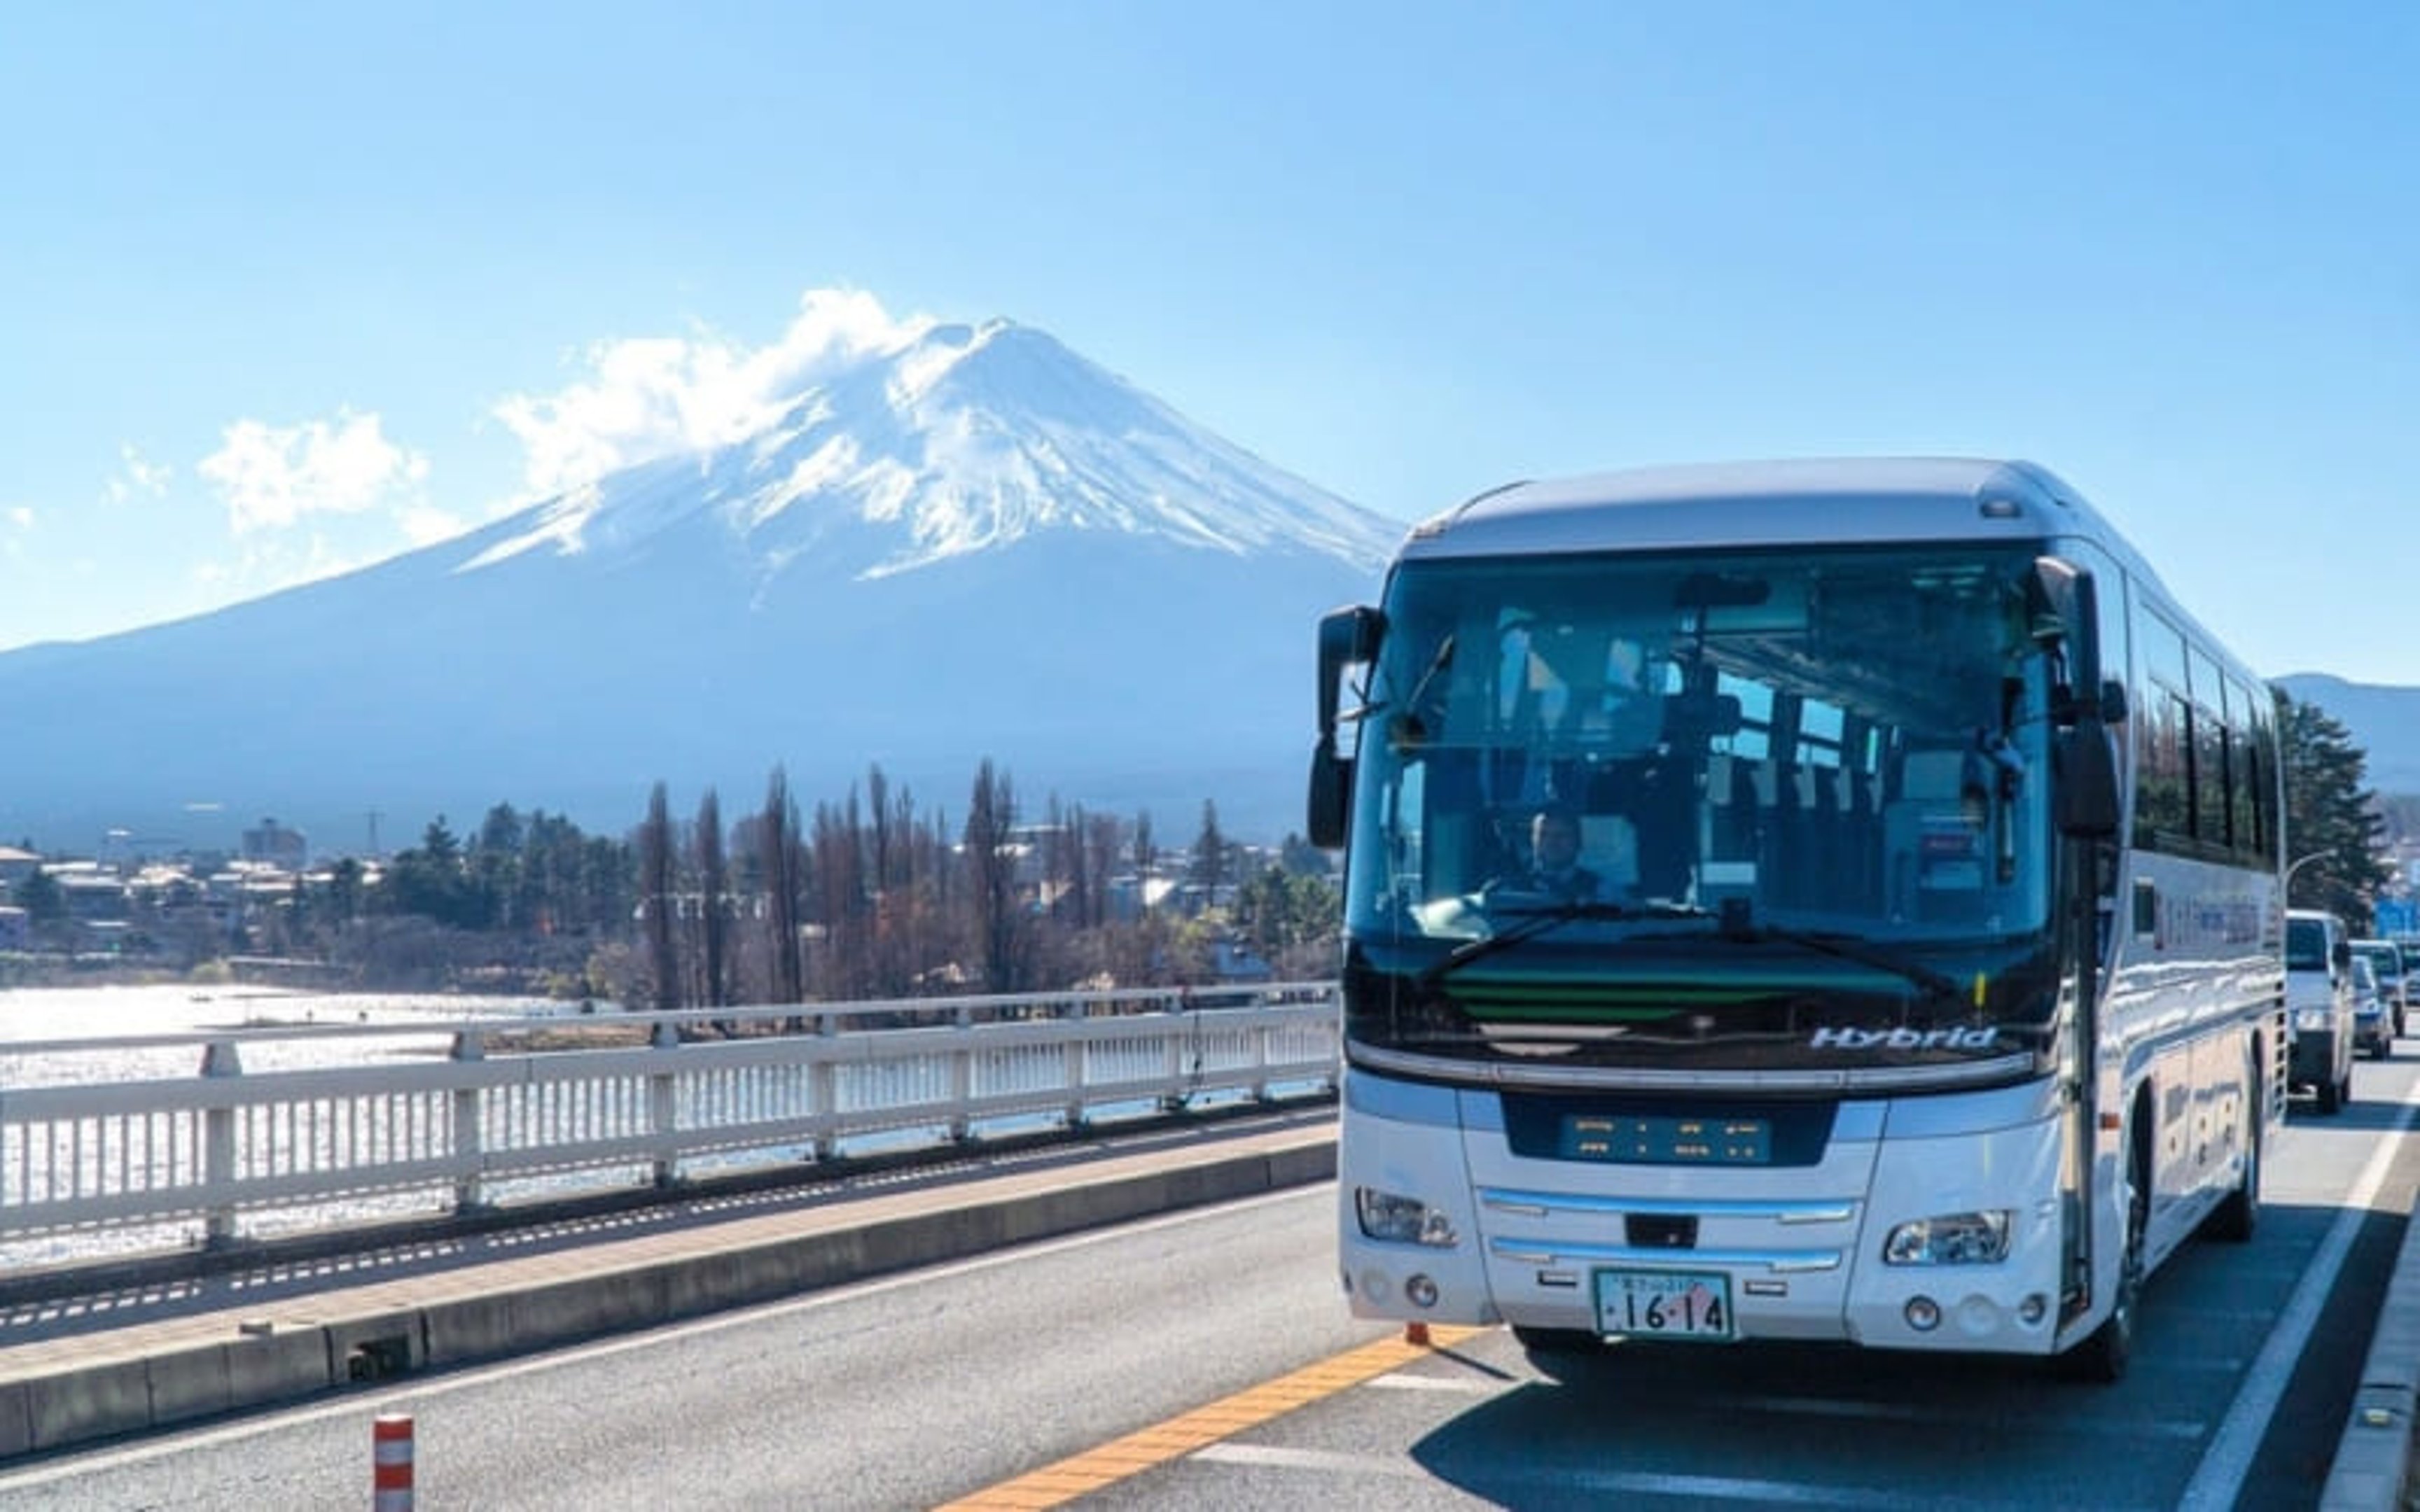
2319, 1004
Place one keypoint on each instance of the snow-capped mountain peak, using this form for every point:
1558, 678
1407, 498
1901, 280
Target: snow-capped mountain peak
959, 438
912, 546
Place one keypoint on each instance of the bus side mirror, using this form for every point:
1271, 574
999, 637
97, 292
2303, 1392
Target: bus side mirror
1331, 796
2064, 606
1347, 637
2088, 782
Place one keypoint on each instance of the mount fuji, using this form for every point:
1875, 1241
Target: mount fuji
970, 543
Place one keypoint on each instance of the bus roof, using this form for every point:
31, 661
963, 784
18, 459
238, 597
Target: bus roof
1804, 502
1807, 502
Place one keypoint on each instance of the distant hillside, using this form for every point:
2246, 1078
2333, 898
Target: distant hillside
2384, 721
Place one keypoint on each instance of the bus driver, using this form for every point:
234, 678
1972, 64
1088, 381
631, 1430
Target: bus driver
1553, 859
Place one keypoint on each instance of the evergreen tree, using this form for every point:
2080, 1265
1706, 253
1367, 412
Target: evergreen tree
43, 900
428, 880
345, 890
1210, 871
2332, 822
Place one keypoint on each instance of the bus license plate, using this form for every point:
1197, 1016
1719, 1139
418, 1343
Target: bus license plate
1673, 1304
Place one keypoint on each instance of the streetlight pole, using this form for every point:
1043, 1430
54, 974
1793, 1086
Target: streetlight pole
2288, 889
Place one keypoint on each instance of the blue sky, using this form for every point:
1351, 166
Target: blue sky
288, 288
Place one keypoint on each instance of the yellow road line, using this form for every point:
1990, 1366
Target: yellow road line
1083, 1473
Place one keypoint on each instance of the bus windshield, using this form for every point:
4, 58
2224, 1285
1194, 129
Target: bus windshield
1813, 786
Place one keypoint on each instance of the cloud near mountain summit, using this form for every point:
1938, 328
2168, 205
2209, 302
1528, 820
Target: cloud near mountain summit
647, 397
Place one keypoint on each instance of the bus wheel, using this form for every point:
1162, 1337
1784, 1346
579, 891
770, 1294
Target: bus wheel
2235, 1218
2104, 1355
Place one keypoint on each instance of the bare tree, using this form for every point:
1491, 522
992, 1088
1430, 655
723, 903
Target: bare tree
656, 890
781, 865
845, 902
999, 922
1103, 837
714, 917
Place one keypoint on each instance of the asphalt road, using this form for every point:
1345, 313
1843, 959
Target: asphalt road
945, 1382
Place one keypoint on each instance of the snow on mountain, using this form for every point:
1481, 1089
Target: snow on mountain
967, 542
967, 440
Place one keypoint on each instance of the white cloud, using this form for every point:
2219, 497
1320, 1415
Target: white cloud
425, 526
136, 477
272, 477
657, 397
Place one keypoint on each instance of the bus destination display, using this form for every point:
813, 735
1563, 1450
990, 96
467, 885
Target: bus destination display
1668, 1140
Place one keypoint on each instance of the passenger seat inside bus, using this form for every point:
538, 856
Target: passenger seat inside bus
1936, 856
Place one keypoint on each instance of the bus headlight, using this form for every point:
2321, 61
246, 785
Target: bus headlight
1950, 1238
1400, 1220
2314, 1018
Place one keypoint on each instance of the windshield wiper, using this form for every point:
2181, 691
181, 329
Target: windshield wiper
1536, 920
1846, 947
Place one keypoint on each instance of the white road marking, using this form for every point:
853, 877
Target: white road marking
1467, 1385
2224, 1466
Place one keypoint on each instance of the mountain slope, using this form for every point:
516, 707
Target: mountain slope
2384, 721
977, 544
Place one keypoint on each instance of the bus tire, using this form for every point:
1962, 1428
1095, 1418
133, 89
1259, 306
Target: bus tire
2107, 1351
2235, 1217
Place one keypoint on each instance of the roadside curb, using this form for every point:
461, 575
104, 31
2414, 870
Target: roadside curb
381, 1337
2374, 1457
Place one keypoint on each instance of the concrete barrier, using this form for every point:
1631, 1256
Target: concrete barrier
269, 1362
2373, 1459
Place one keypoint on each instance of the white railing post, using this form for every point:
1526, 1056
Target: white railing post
962, 1076
1178, 1009
470, 1191
823, 1091
1260, 1037
663, 1109
1075, 1115
218, 1149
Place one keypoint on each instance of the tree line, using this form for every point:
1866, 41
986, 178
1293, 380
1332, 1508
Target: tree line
870, 896
873, 896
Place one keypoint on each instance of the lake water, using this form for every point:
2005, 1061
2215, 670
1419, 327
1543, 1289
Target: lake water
80, 1036
95, 1017
112, 1012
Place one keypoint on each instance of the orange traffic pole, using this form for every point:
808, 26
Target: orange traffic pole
391, 1463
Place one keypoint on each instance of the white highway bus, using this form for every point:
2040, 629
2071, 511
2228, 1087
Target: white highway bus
1924, 990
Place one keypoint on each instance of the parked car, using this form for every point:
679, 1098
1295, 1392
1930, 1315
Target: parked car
2319, 1005
2373, 1018
2394, 967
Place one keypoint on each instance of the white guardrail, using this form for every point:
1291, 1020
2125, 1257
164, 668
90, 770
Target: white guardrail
470, 1117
